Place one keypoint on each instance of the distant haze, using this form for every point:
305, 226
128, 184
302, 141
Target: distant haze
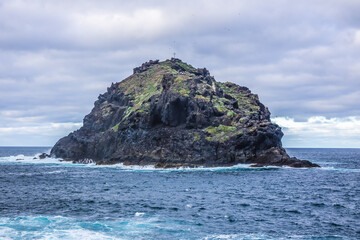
301, 57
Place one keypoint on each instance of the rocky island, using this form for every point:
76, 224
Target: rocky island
170, 114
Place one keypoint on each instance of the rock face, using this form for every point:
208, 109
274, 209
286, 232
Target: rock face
170, 114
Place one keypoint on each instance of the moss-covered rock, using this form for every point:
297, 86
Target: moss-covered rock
172, 114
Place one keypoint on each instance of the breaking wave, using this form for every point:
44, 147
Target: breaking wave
21, 159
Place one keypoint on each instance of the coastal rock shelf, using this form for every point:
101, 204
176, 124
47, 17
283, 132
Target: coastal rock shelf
170, 114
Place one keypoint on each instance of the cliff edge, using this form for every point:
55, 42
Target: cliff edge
170, 114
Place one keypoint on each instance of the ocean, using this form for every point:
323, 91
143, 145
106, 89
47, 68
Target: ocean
49, 199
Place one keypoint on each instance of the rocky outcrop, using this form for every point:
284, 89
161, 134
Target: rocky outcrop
44, 155
170, 114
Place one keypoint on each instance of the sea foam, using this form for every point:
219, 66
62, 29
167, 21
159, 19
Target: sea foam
59, 227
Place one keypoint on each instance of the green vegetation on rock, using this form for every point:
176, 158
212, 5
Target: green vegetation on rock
187, 67
140, 87
197, 136
220, 133
247, 102
230, 114
116, 127
219, 104
198, 96
180, 85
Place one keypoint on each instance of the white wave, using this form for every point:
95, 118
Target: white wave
125, 167
76, 234
30, 159
121, 166
58, 227
46, 228
21, 159
236, 167
38, 173
36, 160
54, 172
261, 237
139, 214
235, 236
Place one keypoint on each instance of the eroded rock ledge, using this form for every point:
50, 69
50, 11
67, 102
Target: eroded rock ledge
171, 114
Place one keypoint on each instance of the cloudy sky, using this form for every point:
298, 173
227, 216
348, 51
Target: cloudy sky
301, 57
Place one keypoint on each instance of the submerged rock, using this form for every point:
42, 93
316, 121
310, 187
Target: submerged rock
171, 114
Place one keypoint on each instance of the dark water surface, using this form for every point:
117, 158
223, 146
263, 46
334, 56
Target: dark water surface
47, 199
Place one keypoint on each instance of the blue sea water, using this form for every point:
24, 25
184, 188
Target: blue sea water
49, 199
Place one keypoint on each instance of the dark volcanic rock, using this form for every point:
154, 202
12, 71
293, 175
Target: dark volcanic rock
44, 155
170, 114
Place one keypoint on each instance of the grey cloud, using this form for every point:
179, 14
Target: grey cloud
301, 57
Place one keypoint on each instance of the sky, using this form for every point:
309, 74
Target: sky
301, 57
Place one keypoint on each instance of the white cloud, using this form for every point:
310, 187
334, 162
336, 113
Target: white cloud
357, 37
115, 28
319, 131
44, 129
45, 134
